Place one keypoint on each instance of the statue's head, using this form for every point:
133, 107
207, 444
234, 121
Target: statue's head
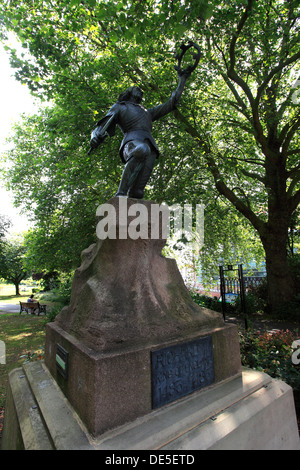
133, 93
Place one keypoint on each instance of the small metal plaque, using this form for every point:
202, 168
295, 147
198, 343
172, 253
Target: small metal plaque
181, 369
62, 361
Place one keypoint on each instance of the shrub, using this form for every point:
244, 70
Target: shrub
289, 310
253, 304
271, 352
205, 301
60, 295
64, 289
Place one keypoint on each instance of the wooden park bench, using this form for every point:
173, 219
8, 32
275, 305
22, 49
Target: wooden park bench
31, 307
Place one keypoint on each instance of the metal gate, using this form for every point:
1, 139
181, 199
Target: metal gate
233, 286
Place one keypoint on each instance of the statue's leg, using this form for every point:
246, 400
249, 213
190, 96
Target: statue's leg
135, 153
130, 168
137, 189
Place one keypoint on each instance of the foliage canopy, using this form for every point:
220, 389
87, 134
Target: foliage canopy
235, 135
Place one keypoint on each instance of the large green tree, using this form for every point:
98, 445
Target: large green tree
12, 262
238, 124
255, 50
5, 223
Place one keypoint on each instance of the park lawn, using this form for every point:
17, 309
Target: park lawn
8, 294
7, 290
22, 334
13, 299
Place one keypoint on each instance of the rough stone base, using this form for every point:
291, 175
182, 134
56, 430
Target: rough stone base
112, 388
127, 301
249, 412
127, 294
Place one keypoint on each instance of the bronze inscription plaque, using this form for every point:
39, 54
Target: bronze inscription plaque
181, 369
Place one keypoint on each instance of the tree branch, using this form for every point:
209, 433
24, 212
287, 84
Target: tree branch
294, 201
285, 103
220, 185
232, 74
290, 135
254, 176
238, 124
236, 35
293, 184
293, 152
273, 72
231, 71
229, 194
240, 104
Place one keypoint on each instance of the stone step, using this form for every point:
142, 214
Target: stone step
250, 411
24, 427
44, 417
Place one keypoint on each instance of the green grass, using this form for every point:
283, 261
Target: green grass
8, 296
22, 334
7, 290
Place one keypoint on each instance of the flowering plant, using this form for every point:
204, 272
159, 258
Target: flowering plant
271, 352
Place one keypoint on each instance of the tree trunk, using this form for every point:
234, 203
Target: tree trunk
17, 288
280, 284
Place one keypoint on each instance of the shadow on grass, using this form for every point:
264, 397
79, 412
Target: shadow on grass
21, 335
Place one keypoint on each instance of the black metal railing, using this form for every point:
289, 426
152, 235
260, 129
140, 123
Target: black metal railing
233, 285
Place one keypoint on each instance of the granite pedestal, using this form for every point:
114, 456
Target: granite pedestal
128, 305
131, 346
108, 389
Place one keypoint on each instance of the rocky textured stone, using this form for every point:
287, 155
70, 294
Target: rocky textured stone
126, 293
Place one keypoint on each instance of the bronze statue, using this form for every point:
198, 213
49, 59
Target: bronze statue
138, 149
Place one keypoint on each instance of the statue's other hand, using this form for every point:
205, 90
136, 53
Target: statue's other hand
184, 74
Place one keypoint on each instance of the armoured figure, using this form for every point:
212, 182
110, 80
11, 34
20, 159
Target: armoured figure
138, 148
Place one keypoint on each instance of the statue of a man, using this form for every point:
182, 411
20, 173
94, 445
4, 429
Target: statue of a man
138, 149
